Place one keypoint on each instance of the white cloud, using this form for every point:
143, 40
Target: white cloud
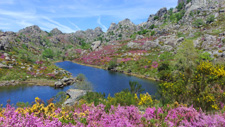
51, 13
74, 25
59, 26
103, 26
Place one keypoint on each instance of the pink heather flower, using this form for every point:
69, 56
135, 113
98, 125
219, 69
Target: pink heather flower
126, 59
2, 56
39, 62
43, 68
51, 75
78, 51
155, 64
31, 73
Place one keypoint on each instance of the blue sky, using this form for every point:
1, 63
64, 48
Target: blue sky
72, 15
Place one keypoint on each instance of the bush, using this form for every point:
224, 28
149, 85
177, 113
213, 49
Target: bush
22, 104
180, 6
152, 26
223, 40
170, 11
210, 19
156, 17
198, 23
48, 53
81, 77
112, 64
205, 56
179, 15
152, 33
135, 87
188, 1
93, 97
123, 98
60, 98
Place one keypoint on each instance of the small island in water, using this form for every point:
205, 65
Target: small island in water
166, 71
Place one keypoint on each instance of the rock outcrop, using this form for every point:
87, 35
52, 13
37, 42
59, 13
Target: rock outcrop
64, 82
9, 83
74, 95
120, 31
55, 31
95, 45
32, 30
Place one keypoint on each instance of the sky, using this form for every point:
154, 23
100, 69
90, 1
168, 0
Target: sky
73, 15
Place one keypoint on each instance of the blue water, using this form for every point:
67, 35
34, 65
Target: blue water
26, 93
102, 81
107, 81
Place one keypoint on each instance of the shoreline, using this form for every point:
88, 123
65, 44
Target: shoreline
50, 82
131, 74
34, 82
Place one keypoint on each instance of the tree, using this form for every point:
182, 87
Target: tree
135, 87
185, 60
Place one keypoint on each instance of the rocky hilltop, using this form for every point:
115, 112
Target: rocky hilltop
166, 26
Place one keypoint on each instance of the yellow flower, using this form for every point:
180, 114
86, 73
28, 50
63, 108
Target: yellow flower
215, 107
136, 97
145, 99
81, 114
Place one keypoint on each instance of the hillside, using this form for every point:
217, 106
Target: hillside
197, 21
183, 48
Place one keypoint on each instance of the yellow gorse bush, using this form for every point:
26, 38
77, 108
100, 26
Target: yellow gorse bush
215, 107
145, 99
209, 69
39, 109
1, 112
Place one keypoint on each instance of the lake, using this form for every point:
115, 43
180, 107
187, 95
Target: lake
102, 81
106, 81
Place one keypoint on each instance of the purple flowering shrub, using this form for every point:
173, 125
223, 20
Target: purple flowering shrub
117, 116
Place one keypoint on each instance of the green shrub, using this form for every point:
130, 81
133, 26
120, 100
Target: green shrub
24, 46
179, 15
135, 88
133, 36
22, 104
94, 97
81, 77
170, 11
152, 26
180, 34
205, 56
156, 17
180, 6
48, 53
112, 63
210, 19
60, 98
223, 40
123, 98
152, 33
166, 56
188, 1
198, 22
192, 14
